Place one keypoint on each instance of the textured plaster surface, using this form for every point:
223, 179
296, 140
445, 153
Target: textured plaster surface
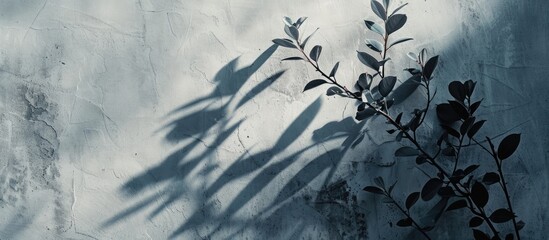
176, 119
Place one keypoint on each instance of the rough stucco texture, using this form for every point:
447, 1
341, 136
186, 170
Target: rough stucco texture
176, 119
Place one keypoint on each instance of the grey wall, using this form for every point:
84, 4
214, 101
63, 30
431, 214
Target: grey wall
157, 119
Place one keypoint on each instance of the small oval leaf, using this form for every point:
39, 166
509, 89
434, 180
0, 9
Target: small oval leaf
430, 188
314, 83
406, 152
501, 215
375, 27
284, 43
404, 222
292, 59
412, 199
315, 53
490, 178
480, 235
479, 194
374, 190
368, 60
475, 222
474, 129
395, 22
430, 67
386, 85
334, 70
378, 9
374, 45
508, 145
457, 205
292, 32
400, 41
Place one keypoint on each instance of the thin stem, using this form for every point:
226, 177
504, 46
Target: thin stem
416, 225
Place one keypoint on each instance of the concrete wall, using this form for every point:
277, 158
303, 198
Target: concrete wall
157, 119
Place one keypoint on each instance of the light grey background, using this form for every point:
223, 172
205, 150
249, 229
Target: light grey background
157, 119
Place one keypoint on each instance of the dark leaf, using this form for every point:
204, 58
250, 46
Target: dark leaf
307, 39
368, 112
509, 236
398, 137
400, 41
412, 199
457, 90
508, 145
379, 182
501, 215
449, 151
475, 222
398, 118
404, 222
470, 169
288, 21
421, 159
473, 108
479, 194
466, 125
474, 129
451, 131
392, 187
520, 225
404, 90
379, 10
430, 67
361, 107
414, 123
479, 235
364, 81
428, 228
470, 87
490, 178
313, 84
292, 32
395, 22
457, 176
457, 205
446, 192
386, 85
391, 131
382, 62
373, 189
315, 52
375, 27
459, 109
374, 45
386, 3
430, 189
412, 56
398, 8
300, 21
292, 59
284, 43
334, 70
446, 113
334, 91
368, 60
406, 152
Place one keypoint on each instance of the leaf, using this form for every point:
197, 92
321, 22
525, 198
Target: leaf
404, 90
457, 90
430, 67
406, 222
299, 21
364, 81
374, 45
479, 235
374, 190
375, 27
509, 236
470, 169
398, 118
457, 205
490, 178
501, 215
520, 225
395, 22
284, 43
473, 108
475, 222
470, 87
406, 152
412, 199
391, 187
430, 188
292, 32
379, 181
368, 112
412, 56
386, 85
378, 9
288, 21
368, 60
292, 59
446, 113
446, 192
334, 70
314, 83
474, 129
307, 39
421, 159
479, 194
459, 109
466, 125
451, 131
334, 91
400, 41
386, 3
315, 52
508, 145
398, 8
